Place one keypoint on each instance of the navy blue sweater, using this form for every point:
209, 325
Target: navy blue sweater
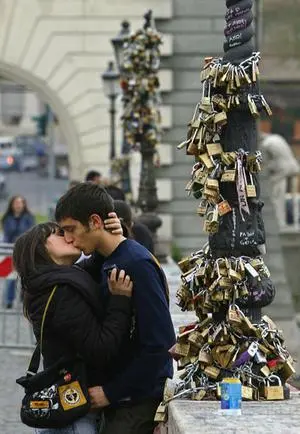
146, 362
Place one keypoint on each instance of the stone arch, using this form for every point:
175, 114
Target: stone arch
51, 97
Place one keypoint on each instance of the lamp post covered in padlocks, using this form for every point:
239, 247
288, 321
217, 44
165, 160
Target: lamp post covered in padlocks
227, 283
141, 117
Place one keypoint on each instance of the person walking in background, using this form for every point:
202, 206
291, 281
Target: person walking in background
16, 220
137, 230
131, 229
280, 163
94, 177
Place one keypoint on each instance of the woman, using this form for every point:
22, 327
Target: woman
16, 220
75, 322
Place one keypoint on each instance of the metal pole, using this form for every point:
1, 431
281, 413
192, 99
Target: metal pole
112, 112
147, 199
258, 23
51, 154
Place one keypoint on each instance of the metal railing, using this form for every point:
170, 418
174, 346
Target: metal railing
15, 329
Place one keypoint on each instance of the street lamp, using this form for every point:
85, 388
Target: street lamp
118, 44
111, 87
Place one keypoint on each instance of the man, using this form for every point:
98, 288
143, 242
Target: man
137, 378
280, 164
94, 177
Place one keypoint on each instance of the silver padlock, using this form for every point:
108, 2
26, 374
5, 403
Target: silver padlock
259, 358
253, 348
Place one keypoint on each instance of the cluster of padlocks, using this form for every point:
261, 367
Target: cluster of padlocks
228, 277
140, 85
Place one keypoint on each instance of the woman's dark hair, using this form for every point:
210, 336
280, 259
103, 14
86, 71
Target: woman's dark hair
9, 209
123, 211
30, 251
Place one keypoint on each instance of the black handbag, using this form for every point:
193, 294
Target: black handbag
57, 396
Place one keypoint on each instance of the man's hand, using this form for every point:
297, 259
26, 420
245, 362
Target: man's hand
97, 397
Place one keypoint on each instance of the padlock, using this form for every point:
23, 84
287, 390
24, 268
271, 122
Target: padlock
273, 393
161, 413
247, 392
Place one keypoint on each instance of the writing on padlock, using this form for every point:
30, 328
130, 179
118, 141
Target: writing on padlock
246, 355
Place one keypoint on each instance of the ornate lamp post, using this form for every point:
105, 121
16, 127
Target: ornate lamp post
141, 115
111, 87
118, 43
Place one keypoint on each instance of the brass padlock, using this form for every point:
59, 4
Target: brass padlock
265, 370
212, 184
247, 393
183, 362
196, 339
220, 119
224, 207
184, 264
234, 315
205, 356
161, 413
228, 175
202, 207
212, 372
287, 369
198, 396
206, 160
250, 188
214, 149
192, 149
212, 219
273, 393
182, 349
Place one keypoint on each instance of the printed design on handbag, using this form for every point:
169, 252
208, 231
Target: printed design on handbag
43, 402
39, 404
71, 396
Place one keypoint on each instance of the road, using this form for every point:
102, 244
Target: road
39, 192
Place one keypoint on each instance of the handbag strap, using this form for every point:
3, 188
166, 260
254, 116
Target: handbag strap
36, 356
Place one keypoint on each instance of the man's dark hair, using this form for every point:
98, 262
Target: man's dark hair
115, 192
83, 200
91, 175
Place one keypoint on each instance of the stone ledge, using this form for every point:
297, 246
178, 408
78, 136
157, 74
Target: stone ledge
262, 417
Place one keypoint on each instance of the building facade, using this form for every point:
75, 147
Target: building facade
60, 48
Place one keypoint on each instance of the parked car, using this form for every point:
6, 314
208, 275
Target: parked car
30, 147
10, 156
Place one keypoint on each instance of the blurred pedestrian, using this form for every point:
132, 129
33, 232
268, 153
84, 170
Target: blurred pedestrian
16, 220
94, 177
115, 192
280, 164
131, 228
